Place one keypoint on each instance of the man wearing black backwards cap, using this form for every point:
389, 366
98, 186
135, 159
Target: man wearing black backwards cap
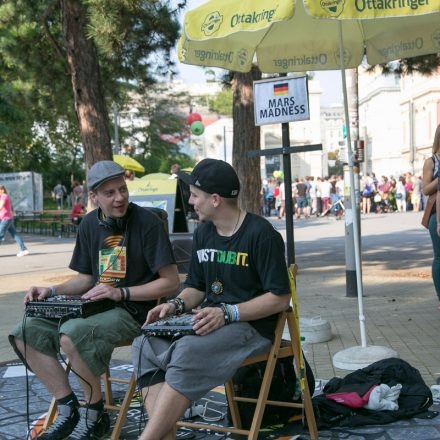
238, 276
122, 253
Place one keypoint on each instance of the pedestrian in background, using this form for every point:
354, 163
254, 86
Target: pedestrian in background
78, 211
129, 175
277, 196
367, 192
400, 194
59, 192
430, 221
416, 193
324, 188
7, 221
174, 171
77, 192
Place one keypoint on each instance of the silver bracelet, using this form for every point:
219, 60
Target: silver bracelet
53, 291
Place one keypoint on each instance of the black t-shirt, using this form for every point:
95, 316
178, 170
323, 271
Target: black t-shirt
249, 263
123, 258
301, 189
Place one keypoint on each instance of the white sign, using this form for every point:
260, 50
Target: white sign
25, 190
281, 100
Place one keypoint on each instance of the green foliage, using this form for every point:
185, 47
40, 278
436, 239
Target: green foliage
333, 155
163, 165
424, 64
337, 169
38, 124
221, 102
159, 128
210, 75
182, 159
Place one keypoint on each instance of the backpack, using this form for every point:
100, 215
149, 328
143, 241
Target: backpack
415, 396
284, 387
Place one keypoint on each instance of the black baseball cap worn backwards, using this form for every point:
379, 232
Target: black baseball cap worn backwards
214, 177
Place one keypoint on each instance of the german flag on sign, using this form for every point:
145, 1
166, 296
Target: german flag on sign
281, 89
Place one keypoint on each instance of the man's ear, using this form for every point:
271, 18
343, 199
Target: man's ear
94, 197
216, 200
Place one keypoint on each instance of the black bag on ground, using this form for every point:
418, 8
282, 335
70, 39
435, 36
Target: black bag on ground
415, 396
247, 383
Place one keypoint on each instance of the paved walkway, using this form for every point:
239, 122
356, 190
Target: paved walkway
399, 303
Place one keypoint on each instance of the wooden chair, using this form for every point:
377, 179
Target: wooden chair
109, 403
279, 349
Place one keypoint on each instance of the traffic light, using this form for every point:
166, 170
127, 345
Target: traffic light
361, 151
344, 130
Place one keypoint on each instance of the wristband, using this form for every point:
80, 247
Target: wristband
179, 305
235, 313
122, 294
127, 294
226, 314
53, 291
230, 312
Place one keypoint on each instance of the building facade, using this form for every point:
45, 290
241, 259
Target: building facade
379, 123
398, 117
420, 116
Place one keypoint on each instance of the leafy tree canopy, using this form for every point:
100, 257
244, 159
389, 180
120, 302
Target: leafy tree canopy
38, 124
221, 102
158, 128
425, 65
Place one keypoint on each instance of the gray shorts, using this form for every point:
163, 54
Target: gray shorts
94, 337
193, 365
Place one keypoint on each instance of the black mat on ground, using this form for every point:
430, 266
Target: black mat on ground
13, 419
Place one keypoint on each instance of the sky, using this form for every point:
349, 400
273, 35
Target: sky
331, 83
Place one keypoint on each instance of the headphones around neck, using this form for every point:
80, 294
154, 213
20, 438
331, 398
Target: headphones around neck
114, 224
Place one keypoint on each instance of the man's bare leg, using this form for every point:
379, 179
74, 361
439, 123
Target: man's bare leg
149, 396
90, 384
47, 369
165, 406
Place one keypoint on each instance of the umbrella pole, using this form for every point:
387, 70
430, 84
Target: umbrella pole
288, 194
354, 217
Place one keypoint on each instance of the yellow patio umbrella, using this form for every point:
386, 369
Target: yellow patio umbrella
296, 36
128, 163
289, 36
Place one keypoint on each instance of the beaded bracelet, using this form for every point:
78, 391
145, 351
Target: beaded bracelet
226, 314
230, 312
179, 305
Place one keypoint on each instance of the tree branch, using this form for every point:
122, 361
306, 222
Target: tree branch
58, 48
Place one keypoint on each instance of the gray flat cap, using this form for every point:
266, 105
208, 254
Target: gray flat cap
101, 172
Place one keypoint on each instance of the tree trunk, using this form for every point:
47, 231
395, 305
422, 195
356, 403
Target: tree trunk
246, 138
88, 97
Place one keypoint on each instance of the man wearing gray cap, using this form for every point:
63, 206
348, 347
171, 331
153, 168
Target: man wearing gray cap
122, 253
238, 277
